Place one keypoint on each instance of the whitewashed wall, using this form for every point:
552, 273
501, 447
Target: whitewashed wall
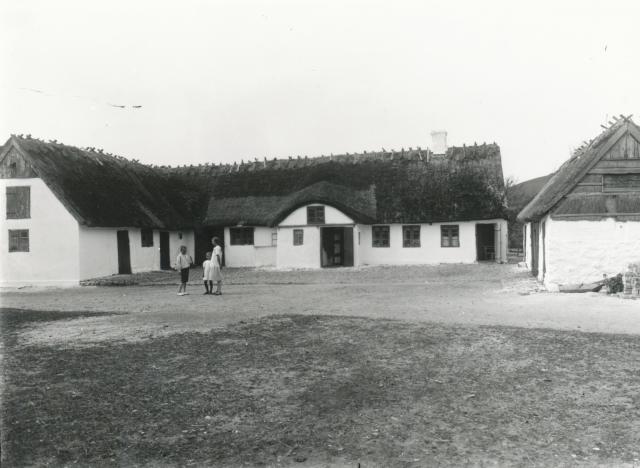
261, 253
332, 215
306, 255
99, 250
53, 240
430, 250
581, 251
527, 245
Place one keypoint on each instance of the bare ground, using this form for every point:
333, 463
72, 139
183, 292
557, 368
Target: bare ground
485, 294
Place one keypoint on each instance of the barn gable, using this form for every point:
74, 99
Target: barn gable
13, 165
601, 180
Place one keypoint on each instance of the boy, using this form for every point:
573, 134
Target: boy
183, 263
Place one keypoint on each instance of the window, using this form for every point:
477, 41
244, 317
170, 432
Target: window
274, 238
449, 236
146, 236
381, 236
315, 214
411, 236
298, 237
18, 240
241, 236
18, 202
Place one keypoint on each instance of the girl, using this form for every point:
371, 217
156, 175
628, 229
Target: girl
183, 263
207, 274
216, 274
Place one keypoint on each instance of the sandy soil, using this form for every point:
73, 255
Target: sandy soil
486, 294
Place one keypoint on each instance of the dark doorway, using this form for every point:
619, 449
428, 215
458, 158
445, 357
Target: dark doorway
124, 257
165, 255
336, 246
535, 240
485, 242
203, 242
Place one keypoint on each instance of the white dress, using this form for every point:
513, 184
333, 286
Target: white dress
216, 260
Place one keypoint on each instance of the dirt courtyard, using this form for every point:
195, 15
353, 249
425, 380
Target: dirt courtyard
482, 294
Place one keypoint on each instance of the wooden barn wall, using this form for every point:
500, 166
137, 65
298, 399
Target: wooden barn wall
611, 188
14, 166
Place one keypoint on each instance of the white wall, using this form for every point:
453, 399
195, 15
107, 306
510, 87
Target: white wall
53, 240
261, 253
99, 250
430, 250
581, 251
306, 255
331, 216
527, 245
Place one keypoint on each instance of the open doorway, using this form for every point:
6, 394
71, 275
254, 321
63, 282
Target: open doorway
486, 242
124, 255
336, 246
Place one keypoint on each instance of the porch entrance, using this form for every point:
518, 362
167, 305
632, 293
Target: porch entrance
486, 242
203, 244
124, 256
336, 246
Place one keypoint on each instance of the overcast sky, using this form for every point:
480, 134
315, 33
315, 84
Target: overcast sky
231, 80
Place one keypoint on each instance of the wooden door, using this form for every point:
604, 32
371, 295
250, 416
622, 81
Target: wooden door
535, 239
165, 254
124, 256
348, 247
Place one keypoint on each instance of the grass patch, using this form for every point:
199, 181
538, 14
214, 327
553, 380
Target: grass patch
308, 389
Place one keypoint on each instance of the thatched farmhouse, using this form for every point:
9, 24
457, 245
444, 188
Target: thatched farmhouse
585, 221
77, 213
73, 214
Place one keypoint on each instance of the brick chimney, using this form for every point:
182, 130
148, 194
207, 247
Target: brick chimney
439, 141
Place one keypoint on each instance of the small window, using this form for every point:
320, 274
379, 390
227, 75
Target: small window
241, 236
449, 236
411, 236
274, 238
18, 240
298, 237
380, 236
315, 214
146, 236
18, 202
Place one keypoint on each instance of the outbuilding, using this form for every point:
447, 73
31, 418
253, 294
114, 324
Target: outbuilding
585, 222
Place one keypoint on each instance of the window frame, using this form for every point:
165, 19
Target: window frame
376, 242
11, 198
411, 242
274, 238
13, 247
239, 235
315, 218
146, 237
298, 237
448, 229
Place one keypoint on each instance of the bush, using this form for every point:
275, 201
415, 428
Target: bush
615, 284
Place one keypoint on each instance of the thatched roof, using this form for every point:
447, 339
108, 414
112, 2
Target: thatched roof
383, 187
574, 169
102, 190
271, 209
412, 185
519, 195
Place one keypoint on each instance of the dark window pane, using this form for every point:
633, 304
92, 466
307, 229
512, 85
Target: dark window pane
411, 236
18, 240
241, 236
450, 236
298, 237
315, 215
380, 236
147, 237
18, 202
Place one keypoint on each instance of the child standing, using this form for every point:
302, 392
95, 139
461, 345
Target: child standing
217, 265
207, 274
183, 263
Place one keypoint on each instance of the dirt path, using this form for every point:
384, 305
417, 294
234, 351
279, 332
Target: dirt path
471, 294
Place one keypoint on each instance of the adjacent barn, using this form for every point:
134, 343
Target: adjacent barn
585, 221
74, 214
